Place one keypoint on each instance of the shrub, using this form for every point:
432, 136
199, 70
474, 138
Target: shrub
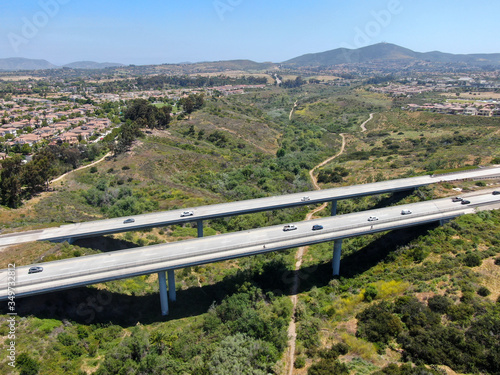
300, 362
378, 324
27, 365
327, 367
483, 291
93, 169
439, 304
370, 293
472, 260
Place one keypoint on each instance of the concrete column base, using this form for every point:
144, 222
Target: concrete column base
337, 252
162, 281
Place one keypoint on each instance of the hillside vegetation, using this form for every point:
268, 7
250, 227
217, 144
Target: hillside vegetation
426, 297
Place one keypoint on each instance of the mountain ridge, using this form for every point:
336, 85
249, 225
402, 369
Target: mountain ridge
21, 63
376, 53
384, 52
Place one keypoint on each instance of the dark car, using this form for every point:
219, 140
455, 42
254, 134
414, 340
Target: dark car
129, 221
465, 201
35, 269
496, 192
317, 227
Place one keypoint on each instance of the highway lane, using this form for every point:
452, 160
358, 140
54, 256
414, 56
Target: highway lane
164, 218
87, 270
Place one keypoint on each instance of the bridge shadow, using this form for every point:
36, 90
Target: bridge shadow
89, 305
104, 243
394, 198
361, 260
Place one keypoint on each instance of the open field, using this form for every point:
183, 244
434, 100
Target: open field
474, 95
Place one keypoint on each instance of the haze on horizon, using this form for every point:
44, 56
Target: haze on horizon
156, 32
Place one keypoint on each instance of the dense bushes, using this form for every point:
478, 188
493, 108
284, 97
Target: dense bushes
332, 175
378, 324
245, 334
116, 202
466, 344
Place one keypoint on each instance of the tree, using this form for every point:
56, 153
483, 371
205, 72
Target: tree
11, 181
328, 367
378, 324
188, 104
145, 114
243, 355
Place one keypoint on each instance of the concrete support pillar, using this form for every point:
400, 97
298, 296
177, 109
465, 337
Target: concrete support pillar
162, 281
337, 252
199, 225
334, 207
443, 221
69, 240
171, 286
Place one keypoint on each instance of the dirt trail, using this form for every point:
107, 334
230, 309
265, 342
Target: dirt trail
292, 334
293, 109
298, 263
363, 128
82, 167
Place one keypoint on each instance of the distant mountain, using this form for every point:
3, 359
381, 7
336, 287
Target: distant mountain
385, 52
91, 65
20, 63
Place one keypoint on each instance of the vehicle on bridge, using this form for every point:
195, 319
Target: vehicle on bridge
289, 227
129, 221
305, 199
373, 218
496, 192
457, 199
187, 213
465, 201
317, 227
35, 269
405, 212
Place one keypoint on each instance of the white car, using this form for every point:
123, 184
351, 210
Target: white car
35, 269
187, 213
288, 227
372, 218
405, 212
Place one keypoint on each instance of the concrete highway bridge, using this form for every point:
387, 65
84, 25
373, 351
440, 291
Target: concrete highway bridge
165, 258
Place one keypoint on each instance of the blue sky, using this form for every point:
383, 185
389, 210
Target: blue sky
156, 32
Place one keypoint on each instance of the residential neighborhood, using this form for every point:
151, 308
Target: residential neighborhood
24, 124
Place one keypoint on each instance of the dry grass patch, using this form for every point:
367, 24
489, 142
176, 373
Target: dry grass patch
491, 277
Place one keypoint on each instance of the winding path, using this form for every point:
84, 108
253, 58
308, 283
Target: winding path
292, 334
363, 127
82, 167
293, 109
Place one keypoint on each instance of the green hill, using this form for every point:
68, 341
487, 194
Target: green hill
389, 53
